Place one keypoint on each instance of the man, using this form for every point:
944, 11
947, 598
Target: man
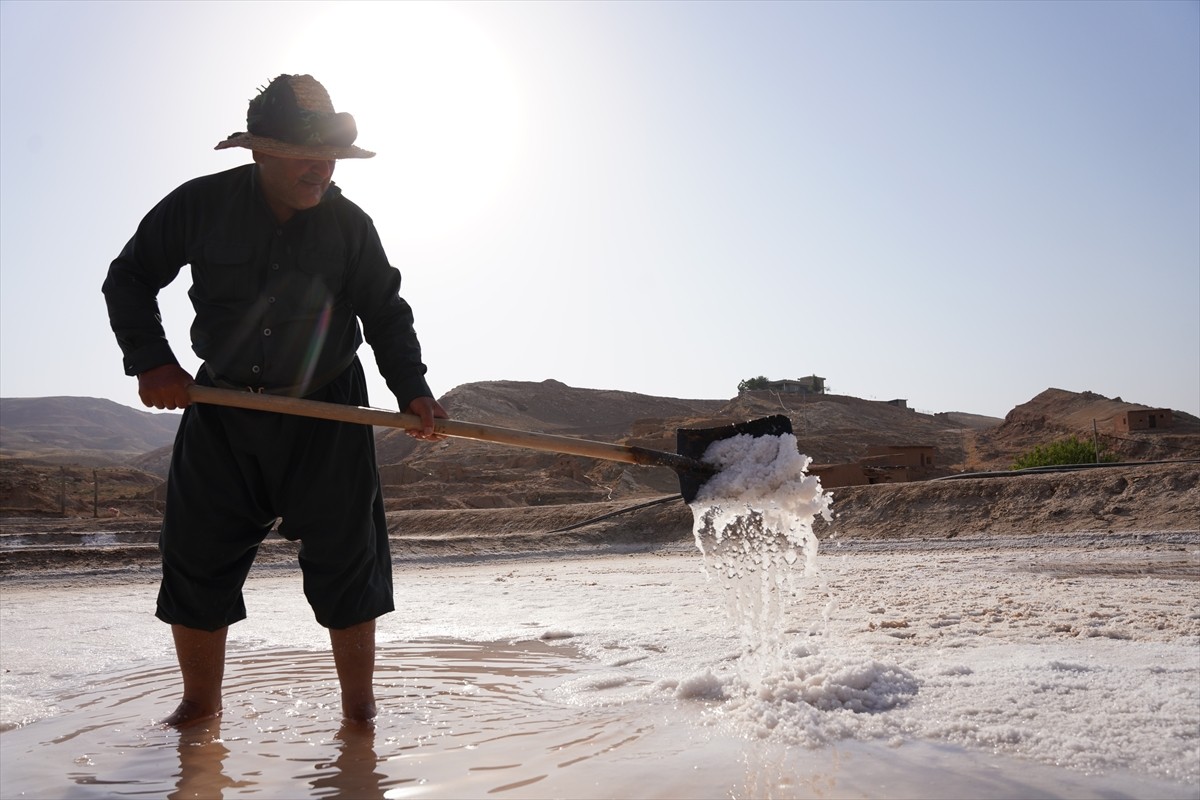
283, 270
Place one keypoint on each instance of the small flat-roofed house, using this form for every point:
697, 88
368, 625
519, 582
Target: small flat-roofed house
901, 455
1143, 419
897, 463
835, 475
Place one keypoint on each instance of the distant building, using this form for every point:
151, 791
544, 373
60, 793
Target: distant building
813, 384
1143, 419
898, 403
834, 475
901, 455
897, 463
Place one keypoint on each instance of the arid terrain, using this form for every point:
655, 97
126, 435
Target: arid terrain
73, 469
909, 639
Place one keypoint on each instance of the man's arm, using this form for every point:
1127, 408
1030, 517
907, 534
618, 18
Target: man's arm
373, 286
428, 410
165, 387
150, 261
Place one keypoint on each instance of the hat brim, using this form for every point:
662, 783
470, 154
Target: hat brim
275, 147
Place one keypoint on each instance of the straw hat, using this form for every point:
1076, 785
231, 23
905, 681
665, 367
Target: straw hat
294, 118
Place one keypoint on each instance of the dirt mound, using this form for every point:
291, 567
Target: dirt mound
977, 422
156, 462
1056, 414
1108, 499
1156, 497
41, 490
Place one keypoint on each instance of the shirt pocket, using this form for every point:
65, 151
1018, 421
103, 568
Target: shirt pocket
323, 277
224, 272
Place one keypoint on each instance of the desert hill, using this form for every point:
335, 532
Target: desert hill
1056, 413
80, 430
550, 407
831, 429
132, 447
834, 429
462, 474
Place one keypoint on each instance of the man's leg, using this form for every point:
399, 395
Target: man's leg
354, 657
201, 657
217, 513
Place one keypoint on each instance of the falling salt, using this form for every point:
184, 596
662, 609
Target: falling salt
753, 524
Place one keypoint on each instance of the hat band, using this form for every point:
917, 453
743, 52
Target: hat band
306, 128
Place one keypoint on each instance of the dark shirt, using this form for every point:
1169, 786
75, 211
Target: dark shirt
277, 305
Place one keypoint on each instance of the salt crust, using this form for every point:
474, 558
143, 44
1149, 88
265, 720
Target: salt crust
1003, 657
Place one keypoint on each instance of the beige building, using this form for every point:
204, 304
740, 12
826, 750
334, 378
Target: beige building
898, 463
1143, 419
916, 456
835, 475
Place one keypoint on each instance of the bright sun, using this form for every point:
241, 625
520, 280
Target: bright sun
432, 95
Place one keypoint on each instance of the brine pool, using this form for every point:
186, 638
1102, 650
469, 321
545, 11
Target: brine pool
949, 673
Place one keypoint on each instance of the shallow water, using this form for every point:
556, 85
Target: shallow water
461, 719
1061, 667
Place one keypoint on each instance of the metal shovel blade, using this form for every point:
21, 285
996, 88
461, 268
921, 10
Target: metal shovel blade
692, 442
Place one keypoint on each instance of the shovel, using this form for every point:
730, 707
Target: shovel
692, 442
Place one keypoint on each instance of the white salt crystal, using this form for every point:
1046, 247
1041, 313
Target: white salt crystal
753, 524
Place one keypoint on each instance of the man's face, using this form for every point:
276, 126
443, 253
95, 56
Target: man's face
292, 184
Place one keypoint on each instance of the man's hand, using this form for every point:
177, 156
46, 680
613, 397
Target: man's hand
428, 410
165, 387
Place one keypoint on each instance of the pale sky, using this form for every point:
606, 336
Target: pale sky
956, 203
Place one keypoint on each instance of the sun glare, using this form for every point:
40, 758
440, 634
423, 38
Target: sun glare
432, 95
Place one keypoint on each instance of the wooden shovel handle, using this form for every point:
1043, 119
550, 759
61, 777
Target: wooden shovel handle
447, 427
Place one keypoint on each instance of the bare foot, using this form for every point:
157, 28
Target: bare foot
361, 713
189, 712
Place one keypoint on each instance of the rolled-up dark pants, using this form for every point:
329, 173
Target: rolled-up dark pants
234, 472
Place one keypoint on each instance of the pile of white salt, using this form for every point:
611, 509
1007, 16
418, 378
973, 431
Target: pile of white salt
753, 524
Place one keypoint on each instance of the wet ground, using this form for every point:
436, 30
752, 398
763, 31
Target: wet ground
942, 668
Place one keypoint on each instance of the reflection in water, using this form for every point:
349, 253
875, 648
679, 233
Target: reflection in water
460, 718
354, 774
463, 720
202, 754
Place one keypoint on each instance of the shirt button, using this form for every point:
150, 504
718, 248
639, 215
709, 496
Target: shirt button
266, 331
256, 369
270, 299
274, 266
